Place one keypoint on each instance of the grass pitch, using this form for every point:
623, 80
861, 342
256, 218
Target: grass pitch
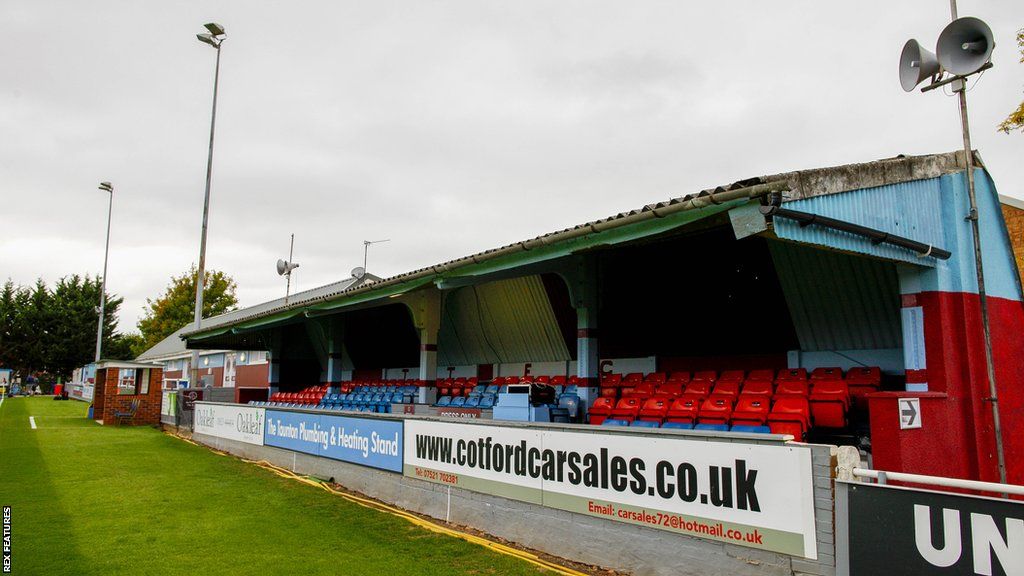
90, 499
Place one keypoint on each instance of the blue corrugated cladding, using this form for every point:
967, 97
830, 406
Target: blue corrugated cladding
911, 209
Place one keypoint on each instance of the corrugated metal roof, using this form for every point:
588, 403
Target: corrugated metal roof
802, 184
895, 209
498, 322
838, 301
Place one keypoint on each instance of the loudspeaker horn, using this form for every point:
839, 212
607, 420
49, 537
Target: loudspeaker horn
965, 45
916, 64
358, 272
282, 267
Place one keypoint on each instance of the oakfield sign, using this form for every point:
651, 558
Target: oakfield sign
753, 495
233, 422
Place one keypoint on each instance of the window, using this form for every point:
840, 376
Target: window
126, 381
143, 384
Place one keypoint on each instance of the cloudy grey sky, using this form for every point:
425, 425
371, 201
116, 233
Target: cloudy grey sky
447, 126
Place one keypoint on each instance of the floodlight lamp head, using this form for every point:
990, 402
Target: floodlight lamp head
214, 28
208, 39
965, 45
916, 64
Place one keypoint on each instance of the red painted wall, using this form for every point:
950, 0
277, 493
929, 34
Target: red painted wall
957, 439
254, 376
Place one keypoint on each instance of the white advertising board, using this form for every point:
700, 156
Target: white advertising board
753, 495
242, 423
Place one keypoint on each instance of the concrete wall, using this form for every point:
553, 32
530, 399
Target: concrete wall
635, 549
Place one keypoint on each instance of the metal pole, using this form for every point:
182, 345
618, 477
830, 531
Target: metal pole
201, 275
103, 281
366, 248
288, 285
982, 297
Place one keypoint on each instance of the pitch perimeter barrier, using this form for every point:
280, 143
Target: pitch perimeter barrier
744, 503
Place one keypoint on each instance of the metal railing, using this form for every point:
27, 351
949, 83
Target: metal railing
883, 477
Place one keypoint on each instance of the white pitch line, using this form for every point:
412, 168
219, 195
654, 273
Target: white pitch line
32, 421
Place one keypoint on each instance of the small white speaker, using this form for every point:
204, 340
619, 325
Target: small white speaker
965, 45
916, 64
282, 267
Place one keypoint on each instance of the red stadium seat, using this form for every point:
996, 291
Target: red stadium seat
758, 388
790, 415
611, 381
731, 376
601, 409
655, 378
830, 401
751, 411
684, 409
538, 380
791, 388
497, 381
555, 380
654, 410
715, 410
513, 380
700, 388
670, 389
642, 390
705, 375
632, 379
863, 381
606, 392
571, 381
627, 409
682, 377
830, 373
791, 375
730, 388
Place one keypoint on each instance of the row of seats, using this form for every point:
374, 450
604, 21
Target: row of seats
305, 397
688, 426
372, 385
786, 415
482, 401
362, 402
859, 381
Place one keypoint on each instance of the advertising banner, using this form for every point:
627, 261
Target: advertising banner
753, 495
895, 530
370, 442
233, 422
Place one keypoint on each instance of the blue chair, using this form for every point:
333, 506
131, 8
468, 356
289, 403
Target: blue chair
503, 389
472, 402
615, 422
646, 424
396, 397
558, 389
487, 401
712, 427
478, 390
570, 389
458, 402
571, 403
751, 429
442, 401
677, 426
490, 389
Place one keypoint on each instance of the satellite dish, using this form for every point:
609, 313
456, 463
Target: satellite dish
282, 267
916, 64
965, 45
358, 272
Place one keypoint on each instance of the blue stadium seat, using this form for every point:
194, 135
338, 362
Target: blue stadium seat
678, 425
458, 402
614, 422
442, 401
472, 402
490, 389
571, 403
712, 427
478, 390
487, 401
640, 423
570, 389
751, 429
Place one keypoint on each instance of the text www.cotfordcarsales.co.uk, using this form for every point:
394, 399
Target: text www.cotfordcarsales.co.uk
7, 540
728, 486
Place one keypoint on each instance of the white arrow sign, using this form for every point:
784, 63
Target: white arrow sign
910, 413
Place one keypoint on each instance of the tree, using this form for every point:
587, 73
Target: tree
125, 346
1015, 121
176, 307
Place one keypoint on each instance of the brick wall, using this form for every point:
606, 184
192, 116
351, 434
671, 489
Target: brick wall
1015, 226
148, 413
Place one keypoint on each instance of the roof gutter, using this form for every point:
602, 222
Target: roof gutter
661, 210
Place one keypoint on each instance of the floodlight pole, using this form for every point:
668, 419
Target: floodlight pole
201, 273
993, 398
105, 186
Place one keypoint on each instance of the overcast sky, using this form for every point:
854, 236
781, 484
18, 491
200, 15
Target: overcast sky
448, 127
